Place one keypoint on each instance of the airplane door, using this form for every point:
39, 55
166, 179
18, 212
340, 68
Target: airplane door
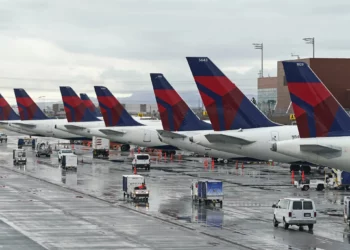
274, 136
146, 135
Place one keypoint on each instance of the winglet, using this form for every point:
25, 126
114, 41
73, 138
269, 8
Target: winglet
228, 108
75, 109
317, 112
174, 112
114, 114
6, 112
28, 109
89, 104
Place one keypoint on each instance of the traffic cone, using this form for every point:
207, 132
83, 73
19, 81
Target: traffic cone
272, 164
292, 176
135, 170
212, 163
242, 165
171, 157
302, 175
164, 156
236, 164
205, 163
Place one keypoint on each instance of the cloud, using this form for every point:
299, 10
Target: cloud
44, 44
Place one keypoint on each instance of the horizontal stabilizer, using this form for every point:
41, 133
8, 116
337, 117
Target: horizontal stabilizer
74, 127
220, 138
112, 132
170, 134
26, 125
316, 148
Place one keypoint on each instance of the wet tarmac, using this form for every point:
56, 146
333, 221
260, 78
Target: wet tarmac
45, 207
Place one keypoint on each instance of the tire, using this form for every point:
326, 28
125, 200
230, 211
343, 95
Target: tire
275, 222
220, 204
311, 226
320, 187
125, 147
285, 224
305, 188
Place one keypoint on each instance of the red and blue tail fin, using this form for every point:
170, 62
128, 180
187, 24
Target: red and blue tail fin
6, 112
114, 114
28, 109
75, 109
228, 108
174, 112
89, 104
317, 112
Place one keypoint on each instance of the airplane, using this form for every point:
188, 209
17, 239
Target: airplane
226, 106
179, 122
35, 121
90, 105
8, 115
121, 126
324, 125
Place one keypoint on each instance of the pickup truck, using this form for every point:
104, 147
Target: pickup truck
64, 151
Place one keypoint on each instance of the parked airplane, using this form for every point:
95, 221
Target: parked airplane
8, 115
35, 121
120, 126
323, 124
226, 106
179, 122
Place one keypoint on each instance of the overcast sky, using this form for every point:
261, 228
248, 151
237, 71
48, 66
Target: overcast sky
116, 43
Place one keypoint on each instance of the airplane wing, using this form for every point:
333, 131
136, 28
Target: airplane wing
74, 127
170, 134
317, 148
112, 132
26, 125
220, 138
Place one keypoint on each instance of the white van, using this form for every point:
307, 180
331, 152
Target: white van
294, 211
141, 161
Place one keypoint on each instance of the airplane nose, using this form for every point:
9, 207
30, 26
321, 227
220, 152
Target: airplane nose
274, 147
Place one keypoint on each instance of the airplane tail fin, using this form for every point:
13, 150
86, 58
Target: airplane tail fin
28, 109
75, 109
114, 114
228, 108
174, 112
317, 112
89, 104
6, 112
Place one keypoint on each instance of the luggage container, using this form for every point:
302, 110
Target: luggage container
19, 157
134, 187
43, 148
208, 191
69, 161
347, 210
100, 147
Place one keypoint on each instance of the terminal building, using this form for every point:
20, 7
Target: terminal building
273, 95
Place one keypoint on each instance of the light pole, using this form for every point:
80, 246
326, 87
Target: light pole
261, 47
44, 101
311, 40
295, 56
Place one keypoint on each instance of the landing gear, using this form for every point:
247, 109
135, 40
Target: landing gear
306, 169
294, 167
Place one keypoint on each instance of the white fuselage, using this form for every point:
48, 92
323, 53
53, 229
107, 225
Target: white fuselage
186, 144
337, 159
144, 136
260, 147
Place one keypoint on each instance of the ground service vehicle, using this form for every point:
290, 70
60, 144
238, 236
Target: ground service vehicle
347, 210
69, 161
134, 187
100, 147
338, 179
26, 142
3, 137
19, 157
43, 148
306, 184
294, 211
208, 191
63, 151
141, 161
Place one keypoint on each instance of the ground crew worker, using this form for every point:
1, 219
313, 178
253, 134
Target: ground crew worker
142, 186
